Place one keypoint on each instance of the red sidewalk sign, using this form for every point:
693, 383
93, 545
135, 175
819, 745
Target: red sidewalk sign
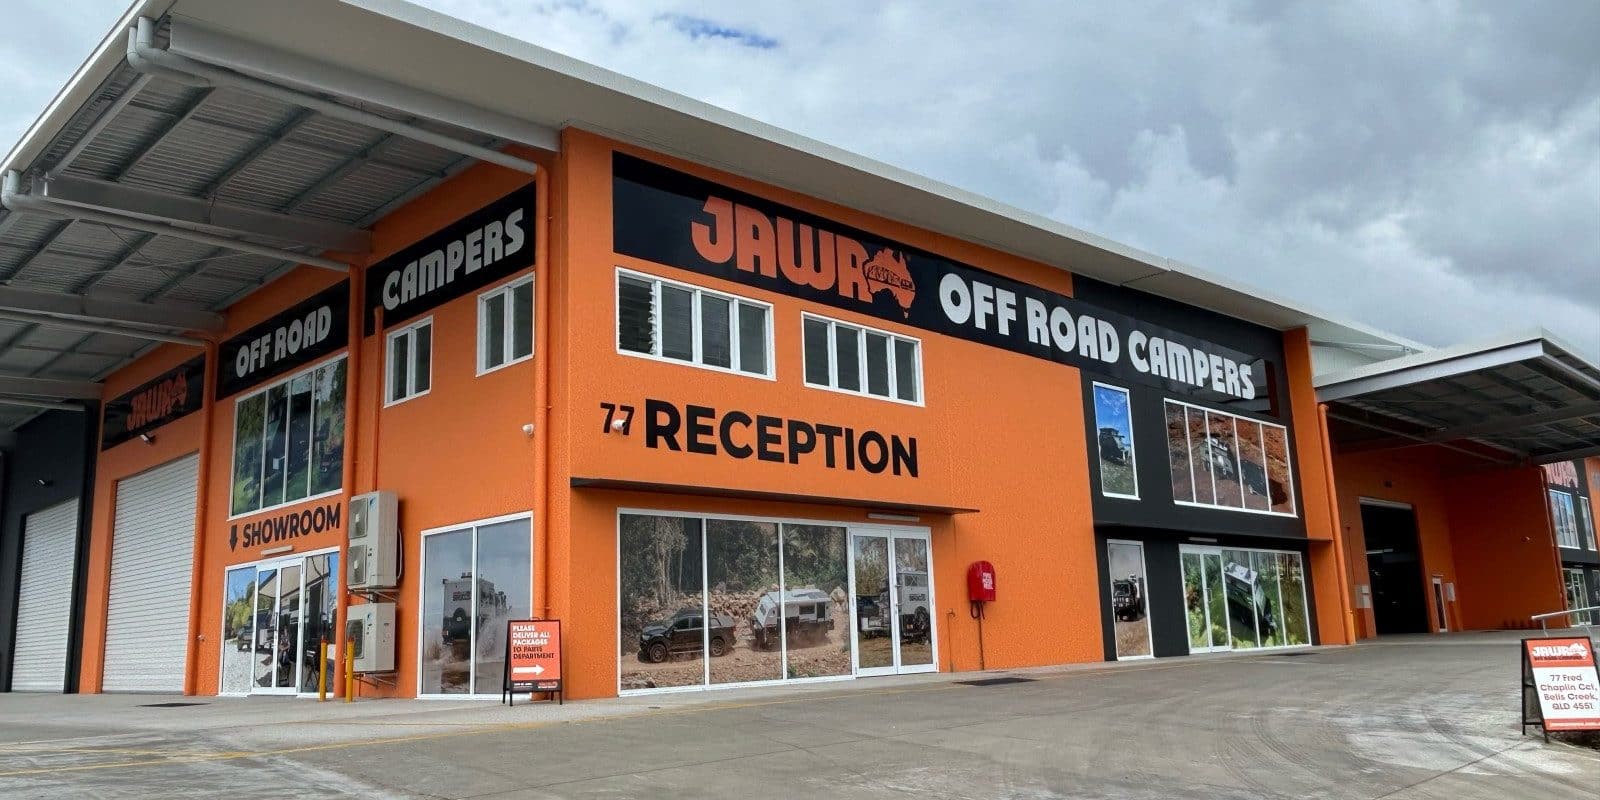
533, 657
1561, 673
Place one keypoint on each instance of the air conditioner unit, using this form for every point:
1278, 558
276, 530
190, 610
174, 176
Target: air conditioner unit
369, 633
374, 538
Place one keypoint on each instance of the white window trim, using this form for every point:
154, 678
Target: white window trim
422, 556
1293, 512
1133, 451
656, 283
861, 341
411, 376
234, 453
508, 334
1563, 517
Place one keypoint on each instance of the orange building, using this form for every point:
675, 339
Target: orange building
388, 360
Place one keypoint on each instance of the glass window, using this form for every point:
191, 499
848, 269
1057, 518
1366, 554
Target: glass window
1130, 598
410, 361
847, 358
1244, 599
692, 325
860, 360
505, 325
1586, 523
741, 572
661, 589
1178, 454
1564, 518
239, 630
1270, 600
474, 579
1113, 420
288, 440
1228, 461
1292, 587
816, 570
817, 352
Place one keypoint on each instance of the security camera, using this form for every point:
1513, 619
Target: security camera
616, 424
147, 438
527, 430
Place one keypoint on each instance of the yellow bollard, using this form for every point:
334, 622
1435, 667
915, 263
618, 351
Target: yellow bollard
349, 674
322, 671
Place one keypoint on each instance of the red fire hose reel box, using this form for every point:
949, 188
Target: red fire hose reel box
980, 582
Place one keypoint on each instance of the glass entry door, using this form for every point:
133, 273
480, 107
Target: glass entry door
1205, 599
275, 616
891, 601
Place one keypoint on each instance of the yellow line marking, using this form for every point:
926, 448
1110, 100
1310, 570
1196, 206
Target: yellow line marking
531, 725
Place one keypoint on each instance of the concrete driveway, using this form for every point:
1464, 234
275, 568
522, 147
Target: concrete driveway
1428, 717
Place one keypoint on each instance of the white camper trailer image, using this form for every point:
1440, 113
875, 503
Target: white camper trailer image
805, 613
458, 623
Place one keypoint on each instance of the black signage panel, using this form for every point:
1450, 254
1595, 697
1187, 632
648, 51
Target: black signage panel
669, 217
483, 247
176, 393
292, 338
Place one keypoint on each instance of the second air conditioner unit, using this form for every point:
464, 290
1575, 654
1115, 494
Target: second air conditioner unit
369, 633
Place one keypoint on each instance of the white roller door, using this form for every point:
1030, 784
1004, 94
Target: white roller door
44, 599
152, 552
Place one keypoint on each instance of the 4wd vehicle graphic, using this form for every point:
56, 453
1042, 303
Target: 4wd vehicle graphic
458, 624
872, 611
805, 616
682, 634
1113, 446
1247, 601
1127, 598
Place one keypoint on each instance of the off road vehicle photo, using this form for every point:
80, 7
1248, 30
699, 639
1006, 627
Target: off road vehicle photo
682, 634
806, 616
1127, 599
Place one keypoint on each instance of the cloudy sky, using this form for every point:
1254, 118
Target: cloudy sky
1429, 168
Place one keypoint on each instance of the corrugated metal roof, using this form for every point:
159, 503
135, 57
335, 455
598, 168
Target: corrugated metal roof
221, 144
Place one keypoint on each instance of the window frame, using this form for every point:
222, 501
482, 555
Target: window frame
507, 335
411, 376
861, 342
263, 389
1294, 502
1562, 501
695, 330
472, 527
1585, 523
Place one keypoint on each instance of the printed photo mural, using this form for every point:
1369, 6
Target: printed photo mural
288, 439
1244, 599
749, 619
474, 579
1222, 460
662, 602
1130, 605
1114, 434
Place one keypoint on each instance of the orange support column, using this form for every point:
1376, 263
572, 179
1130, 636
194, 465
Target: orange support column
1313, 458
201, 514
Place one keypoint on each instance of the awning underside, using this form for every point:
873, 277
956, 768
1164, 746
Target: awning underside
1527, 400
213, 159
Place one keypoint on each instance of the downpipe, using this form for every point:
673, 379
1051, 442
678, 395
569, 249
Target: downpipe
145, 56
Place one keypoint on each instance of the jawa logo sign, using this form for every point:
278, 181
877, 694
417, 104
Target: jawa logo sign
738, 434
175, 394
672, 218
285, 527
800, 254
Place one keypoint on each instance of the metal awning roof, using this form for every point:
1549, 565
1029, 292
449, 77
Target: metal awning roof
281, 179
1525, 396
163, 197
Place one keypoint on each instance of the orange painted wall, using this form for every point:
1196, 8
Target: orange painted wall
1506, 553
1033, 521
1479, 526
1314, 481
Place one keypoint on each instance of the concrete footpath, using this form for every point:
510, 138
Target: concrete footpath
1425, 717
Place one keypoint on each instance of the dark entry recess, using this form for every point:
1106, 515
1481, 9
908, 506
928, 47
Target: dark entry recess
1394, 565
